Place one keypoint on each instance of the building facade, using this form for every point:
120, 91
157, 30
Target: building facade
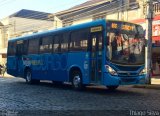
19, 24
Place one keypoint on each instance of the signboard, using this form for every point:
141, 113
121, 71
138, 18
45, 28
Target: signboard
124, 27
96, 29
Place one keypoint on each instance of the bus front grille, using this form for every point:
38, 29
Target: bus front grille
127, 74
128, 79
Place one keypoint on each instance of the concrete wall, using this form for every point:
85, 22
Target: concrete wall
82, 21
57, 23
125, 14
17, 26
23, 25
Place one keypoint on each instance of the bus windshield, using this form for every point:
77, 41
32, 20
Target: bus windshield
126, 49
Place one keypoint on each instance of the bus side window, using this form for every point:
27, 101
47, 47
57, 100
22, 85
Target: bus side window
33, 47
11, 48
46, 44
64, 42
79, 40
56, 44
25, 47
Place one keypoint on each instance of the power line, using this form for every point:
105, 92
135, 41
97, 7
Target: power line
32, 15
74, 17
109, 11
89, 7
36, 16
5, 2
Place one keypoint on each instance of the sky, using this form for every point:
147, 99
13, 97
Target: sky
8, 7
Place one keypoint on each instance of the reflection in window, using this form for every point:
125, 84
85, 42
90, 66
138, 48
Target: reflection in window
11, 48
33, 46
126, 48
56, 46
79, 40
64, 42
46, 44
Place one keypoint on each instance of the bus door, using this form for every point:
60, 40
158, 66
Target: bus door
96, 57
19, 50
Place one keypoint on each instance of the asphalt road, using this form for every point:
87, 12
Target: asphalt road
18, 98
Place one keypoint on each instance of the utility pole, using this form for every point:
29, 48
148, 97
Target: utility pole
148, 55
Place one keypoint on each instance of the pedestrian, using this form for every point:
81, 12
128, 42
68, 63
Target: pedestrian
1, 69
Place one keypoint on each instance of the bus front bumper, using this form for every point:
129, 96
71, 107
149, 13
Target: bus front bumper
110, 80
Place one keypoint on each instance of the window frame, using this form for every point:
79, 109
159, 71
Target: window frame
86, 30
38, 41
41, 44
11, 48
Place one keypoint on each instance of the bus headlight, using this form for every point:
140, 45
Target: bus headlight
111, 70
143, 72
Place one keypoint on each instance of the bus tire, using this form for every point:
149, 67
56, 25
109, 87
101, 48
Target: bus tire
77, 80
28, 77
112, 88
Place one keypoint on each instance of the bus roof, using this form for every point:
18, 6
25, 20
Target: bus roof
70, 28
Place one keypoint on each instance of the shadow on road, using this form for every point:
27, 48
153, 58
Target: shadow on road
101, 90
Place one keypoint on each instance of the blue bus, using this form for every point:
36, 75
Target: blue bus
102, 52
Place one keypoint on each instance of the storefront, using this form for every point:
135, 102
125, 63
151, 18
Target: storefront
156, 56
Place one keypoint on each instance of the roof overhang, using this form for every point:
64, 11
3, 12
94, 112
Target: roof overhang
78, 7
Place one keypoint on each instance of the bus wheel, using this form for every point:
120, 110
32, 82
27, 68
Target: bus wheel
112, 88
77, 80
28, 77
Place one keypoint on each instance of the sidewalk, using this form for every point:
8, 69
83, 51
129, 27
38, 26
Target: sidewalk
155, 84
152, 86
6, 75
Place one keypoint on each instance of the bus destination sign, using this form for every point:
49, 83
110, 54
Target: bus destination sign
124, 26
